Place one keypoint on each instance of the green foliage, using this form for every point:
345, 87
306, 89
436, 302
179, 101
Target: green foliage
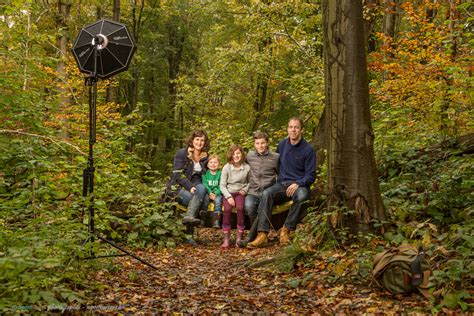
199, 65
429, 199
428, 186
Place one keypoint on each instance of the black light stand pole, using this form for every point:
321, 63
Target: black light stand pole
88, 173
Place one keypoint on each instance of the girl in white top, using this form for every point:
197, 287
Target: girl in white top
234, 186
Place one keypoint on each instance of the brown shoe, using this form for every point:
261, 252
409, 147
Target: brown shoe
260, 241
284, 236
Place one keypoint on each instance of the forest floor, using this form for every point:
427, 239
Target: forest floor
206, 280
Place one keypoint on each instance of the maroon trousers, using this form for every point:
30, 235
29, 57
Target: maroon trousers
239, 205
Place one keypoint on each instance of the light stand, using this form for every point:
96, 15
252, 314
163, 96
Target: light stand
93, 48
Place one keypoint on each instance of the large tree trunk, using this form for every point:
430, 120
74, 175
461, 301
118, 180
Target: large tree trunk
352, 174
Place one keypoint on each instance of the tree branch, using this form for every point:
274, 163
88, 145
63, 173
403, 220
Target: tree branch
18, 132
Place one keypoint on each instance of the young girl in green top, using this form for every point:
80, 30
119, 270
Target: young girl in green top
211, 181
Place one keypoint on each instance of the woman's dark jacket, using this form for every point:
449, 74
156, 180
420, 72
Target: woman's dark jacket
182, 176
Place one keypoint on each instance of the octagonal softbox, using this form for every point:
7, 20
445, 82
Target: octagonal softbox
114, 44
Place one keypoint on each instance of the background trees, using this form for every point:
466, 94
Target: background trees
229, 67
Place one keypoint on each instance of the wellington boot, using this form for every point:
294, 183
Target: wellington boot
226, 243
242, 243
203, 217
284, 236
260, 241
189, 220
215, 224
238, 237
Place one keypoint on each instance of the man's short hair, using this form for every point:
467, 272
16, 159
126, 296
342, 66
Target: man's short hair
296, 118
260, 135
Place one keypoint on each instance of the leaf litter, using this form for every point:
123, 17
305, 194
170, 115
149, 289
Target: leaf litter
207, 280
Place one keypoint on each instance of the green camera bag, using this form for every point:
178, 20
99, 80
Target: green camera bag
403, 269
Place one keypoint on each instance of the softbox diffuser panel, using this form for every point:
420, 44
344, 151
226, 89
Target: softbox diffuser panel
114, 44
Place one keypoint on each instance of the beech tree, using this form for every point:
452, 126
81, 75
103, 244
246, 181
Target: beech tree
346, 129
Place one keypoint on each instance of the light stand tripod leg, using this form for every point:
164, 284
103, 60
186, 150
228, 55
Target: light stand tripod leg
88, 175
126, 252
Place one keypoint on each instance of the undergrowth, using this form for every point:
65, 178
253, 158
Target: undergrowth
429, 201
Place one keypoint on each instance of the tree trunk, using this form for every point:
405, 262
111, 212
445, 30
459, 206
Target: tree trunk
389, 18
261, 89
369, 19
452, 18
175, 51
388, 26
260, 99
111, 91
63, 92
352, 174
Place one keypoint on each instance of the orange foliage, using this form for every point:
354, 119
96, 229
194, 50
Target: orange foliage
417, 69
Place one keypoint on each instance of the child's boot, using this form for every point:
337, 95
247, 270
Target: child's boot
202, 216
226, 243
216, 224
240, 233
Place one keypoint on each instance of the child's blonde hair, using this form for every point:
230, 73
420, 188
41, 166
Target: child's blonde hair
214, 156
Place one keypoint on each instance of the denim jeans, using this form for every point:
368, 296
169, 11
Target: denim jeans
217, 203
194, 202
274, 195
251, 206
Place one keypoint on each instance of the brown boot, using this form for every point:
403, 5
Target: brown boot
260, 241
284, 236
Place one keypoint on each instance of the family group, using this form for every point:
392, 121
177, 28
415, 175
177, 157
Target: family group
251, 183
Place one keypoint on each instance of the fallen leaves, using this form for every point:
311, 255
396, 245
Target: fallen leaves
204, 280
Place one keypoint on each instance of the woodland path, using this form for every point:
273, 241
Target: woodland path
206, 280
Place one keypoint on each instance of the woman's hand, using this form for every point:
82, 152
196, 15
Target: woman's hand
242, 192
231, 201
212, 196
193, 190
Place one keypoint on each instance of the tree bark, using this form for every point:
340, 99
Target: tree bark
352, 174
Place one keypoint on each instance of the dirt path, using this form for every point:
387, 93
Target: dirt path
205, 280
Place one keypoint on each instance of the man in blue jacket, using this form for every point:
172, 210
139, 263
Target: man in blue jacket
297, 173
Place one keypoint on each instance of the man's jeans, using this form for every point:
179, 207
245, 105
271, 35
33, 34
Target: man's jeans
251, 206
274, 195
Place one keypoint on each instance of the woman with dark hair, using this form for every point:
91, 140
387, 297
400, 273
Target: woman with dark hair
185, 185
